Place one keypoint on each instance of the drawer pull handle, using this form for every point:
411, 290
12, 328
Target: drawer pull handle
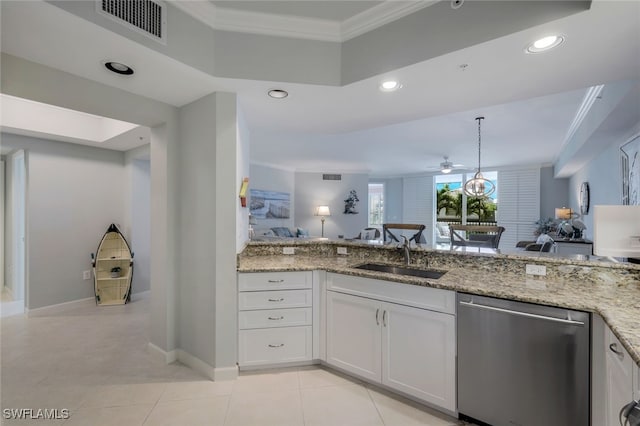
614, 348
384, 318
276, 318
276, 300
377, 320
276, 281
276, 346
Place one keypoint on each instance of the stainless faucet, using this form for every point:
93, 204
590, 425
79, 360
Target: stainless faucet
407, 250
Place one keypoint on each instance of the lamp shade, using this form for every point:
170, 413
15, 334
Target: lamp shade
323, 211
563, 213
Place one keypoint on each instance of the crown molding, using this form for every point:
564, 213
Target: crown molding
227, 19
382, 14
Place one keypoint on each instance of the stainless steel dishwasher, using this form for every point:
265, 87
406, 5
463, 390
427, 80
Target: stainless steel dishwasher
522, 364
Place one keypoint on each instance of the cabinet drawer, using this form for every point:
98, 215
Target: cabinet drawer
274, 280
273, 345
253, 300
274, 318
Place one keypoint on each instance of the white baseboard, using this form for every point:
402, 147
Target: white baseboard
61, 307
162, 355
226, 373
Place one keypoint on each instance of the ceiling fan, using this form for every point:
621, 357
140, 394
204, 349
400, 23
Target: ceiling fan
447, 166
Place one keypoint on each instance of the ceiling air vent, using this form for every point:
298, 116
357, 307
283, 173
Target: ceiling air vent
144, 16
327, 176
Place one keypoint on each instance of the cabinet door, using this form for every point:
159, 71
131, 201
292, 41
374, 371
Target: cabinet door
619, 367
418, 353
353, 334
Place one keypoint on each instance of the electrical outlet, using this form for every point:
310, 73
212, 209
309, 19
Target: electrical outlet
86, 275
536, 270
342, 250
288, 250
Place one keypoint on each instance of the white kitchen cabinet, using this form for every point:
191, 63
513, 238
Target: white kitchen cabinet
620, 369
353, 335
419, 353
275, 318
405, 348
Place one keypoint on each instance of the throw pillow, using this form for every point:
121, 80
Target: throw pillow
283, 232
302, 233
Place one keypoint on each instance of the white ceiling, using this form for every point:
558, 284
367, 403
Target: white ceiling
315, 9
528, 100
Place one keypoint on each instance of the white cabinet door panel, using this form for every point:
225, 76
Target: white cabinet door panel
353, 334
419, 353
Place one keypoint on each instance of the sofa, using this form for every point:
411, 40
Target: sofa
280, 232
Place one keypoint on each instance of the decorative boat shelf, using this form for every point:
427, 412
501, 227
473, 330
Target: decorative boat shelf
112, 268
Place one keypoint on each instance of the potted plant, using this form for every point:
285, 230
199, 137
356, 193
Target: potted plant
545, 226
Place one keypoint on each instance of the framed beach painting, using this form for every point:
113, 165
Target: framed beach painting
269, 204
630, 156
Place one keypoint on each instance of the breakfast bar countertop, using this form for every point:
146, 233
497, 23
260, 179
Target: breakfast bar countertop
616, 300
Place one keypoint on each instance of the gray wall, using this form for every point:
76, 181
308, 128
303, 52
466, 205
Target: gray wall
207, 220
274, 179
553, 193
605, 180
392, 198
74, 193
141, 224
311, 191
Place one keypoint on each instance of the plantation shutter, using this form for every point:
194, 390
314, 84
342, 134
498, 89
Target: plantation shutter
417, 204
518, 205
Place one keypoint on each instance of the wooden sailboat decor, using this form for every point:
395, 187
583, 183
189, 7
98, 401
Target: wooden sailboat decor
112, 269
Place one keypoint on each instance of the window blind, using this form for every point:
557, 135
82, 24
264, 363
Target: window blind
518, 205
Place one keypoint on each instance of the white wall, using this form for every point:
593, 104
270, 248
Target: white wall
311, 191
392, 199
243, 135
605, 180
74, 193
274, 179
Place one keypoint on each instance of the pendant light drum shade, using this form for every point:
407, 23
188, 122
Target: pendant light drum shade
479, 187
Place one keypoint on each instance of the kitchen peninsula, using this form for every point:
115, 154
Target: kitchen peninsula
398, 330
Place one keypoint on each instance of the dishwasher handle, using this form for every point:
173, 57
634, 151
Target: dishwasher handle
522, 314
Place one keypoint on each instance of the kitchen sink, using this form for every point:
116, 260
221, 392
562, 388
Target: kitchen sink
400, 270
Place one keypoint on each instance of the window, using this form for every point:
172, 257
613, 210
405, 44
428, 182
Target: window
376, 205
453, 207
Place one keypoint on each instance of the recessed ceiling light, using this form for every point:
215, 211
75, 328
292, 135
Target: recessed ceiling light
118, 68
278, 93
390, 85
545, 43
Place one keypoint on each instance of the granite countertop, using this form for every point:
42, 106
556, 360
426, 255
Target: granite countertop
618, 303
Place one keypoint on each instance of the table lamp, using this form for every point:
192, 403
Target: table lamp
323, 212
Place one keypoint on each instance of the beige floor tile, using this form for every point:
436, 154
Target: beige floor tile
119, 395
266, 409
339, 406
268, 381
191, 412
399, 411
196, 389
314, 377
132, 415
41, 397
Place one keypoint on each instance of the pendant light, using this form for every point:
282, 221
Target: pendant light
479, 187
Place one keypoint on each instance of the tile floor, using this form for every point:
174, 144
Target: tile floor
94, 361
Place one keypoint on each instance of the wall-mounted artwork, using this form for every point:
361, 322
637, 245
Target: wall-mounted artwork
350, 203
269, 204
630, 153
